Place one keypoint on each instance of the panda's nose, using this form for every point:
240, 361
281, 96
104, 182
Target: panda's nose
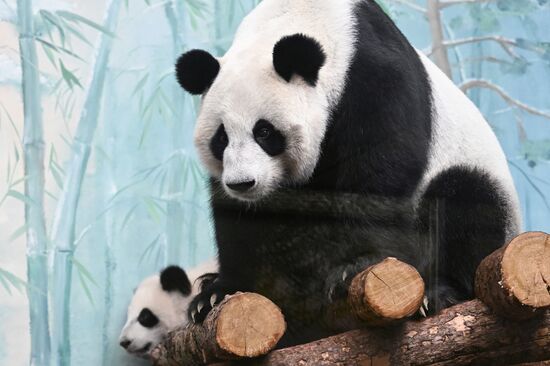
241, 186
125, 343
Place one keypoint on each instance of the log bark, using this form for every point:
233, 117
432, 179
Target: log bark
244, 325
386, 292
514, 281
466, 334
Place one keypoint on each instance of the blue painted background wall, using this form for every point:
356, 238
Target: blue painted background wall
142, 203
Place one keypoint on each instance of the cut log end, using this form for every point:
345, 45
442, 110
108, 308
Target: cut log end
249, 326
386, 292
526, 269
243, 325
515, 280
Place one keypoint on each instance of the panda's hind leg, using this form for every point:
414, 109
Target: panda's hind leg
462, 218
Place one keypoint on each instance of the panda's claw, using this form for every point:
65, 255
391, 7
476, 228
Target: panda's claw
344, 276
422, 312
330, 293
202, 304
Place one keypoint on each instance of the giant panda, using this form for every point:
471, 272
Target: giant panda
159, 305
329, 96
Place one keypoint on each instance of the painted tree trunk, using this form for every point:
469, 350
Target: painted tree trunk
436, 29
65, 218
176, 177
33, 146
108, 181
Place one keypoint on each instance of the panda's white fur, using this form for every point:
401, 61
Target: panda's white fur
299, 111
462, 136
169, 307
302, 112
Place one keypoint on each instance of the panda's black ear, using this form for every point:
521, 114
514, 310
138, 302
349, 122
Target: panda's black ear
196, 70
301, 55
174, 278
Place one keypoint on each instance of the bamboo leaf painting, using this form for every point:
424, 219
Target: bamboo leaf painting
9, 281
73, 17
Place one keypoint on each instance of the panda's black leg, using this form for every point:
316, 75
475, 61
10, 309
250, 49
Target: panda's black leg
462, 219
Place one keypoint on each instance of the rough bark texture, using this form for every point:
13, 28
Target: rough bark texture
514, 281
386, 292
466, 334
244, 325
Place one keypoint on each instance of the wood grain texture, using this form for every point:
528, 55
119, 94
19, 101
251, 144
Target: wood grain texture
242, 326
514, 281
386, 292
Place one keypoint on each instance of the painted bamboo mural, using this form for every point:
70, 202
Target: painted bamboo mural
33, 147
176, 179
112, 170
63, 232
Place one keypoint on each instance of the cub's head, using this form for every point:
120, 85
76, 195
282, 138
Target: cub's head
158, 306
263, 115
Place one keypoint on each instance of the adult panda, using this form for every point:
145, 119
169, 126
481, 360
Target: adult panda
328, 95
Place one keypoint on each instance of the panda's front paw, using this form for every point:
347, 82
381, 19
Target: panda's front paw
337, 284
203, 303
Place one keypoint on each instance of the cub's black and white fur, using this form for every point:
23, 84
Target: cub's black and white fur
160, 304
328, 95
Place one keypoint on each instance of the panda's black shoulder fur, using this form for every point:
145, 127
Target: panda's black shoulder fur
379, 134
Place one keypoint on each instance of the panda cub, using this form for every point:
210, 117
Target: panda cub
159, 305
327, 98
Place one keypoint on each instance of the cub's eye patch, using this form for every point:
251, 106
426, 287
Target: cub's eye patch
147, 318
219, 142
269, 138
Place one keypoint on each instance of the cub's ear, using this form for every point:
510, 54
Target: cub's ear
301, 55
174, 278
196, 70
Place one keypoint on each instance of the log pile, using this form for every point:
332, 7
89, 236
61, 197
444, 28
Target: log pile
510, 324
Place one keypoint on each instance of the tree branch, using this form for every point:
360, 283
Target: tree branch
506, 43
444, 4
411, 5
465, 334
485, 84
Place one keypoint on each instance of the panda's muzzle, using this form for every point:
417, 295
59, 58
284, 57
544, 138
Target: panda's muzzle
241, 187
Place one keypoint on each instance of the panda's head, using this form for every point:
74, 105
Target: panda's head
263, 114
158, 306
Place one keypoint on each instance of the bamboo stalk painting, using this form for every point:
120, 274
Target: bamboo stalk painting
33, 146
63, 233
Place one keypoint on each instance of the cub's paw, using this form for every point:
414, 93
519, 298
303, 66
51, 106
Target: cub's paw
203, 303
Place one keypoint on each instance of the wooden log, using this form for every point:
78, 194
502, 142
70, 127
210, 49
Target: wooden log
244, 325
386, 292
514, 281
465, 334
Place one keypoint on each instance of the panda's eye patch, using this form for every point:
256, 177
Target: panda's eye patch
269, 138
147, 318
219, 142
263, 133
